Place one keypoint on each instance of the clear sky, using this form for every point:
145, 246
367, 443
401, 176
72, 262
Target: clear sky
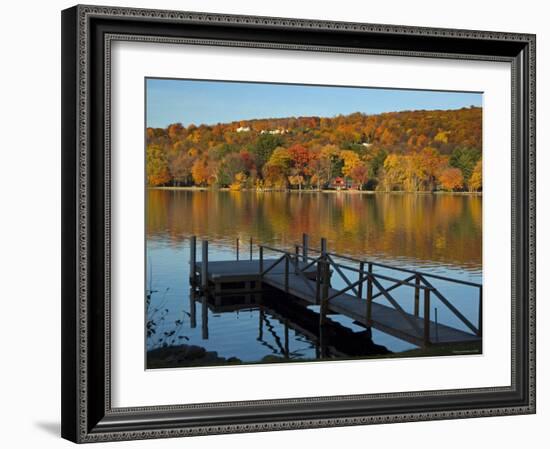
211, 102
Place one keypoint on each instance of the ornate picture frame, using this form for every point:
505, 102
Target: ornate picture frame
87, 35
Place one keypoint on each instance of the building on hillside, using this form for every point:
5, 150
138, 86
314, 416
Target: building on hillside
339, 183
273, 131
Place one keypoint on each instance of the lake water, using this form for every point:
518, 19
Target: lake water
434, 233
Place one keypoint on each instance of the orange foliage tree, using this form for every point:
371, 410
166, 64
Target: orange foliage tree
200, 172
360, 174
451, 179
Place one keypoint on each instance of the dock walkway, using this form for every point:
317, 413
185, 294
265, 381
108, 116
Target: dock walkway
384, 318
308, 279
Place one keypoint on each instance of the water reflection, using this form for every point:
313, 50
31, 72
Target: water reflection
434, 233
425, 230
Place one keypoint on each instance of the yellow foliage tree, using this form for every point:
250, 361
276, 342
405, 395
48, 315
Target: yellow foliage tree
475, 181
351, 160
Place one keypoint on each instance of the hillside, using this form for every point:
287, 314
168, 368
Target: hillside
409, 150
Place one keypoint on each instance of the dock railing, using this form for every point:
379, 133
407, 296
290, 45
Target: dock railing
327, 263
368, 280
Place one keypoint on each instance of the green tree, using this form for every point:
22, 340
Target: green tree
218, 152
230, 166
465, 159
263, 148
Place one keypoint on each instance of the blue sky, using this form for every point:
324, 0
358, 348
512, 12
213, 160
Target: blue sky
211, 102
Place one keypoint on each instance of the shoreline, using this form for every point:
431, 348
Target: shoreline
307, 191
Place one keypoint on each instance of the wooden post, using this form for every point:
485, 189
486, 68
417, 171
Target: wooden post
361, 273
318, 282
286, 340
204, 266
324, 293
480, 313
323, 246
193, 261
250, 248
305, 246
322, 342
192, 308
417, 295
296, 258
204, 318
237, 247
261, 261
326, 280
436, 327
426, 316
286, 272
261, 325
369, 292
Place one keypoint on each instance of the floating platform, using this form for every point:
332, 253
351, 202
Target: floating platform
241, 276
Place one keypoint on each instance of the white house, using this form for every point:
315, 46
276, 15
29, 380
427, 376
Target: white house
274, 131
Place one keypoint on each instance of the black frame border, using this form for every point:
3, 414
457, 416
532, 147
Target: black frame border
87, 32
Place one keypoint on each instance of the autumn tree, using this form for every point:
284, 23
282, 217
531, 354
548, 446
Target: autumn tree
181, 167
222, 150
319, 168
393, 174
474, 183
239, 181
158, 172
335, 163
231, 164
200, 172
451, 179
300, 157
351, 160
360, 174
276, 170
175, 130
405, 150
414, 171
263, 148
429, 165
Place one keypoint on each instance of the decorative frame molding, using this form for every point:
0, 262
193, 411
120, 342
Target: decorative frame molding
88, 32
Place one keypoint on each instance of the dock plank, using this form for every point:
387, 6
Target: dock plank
229, 270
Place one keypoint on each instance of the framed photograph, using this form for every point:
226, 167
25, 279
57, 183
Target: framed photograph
284, 223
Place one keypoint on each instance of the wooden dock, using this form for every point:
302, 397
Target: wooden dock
302, 277
405, 326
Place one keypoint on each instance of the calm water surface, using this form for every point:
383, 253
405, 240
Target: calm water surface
438, 234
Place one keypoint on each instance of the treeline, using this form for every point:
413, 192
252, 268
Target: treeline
409, 151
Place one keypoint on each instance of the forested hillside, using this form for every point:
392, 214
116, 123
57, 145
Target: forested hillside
410, 150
